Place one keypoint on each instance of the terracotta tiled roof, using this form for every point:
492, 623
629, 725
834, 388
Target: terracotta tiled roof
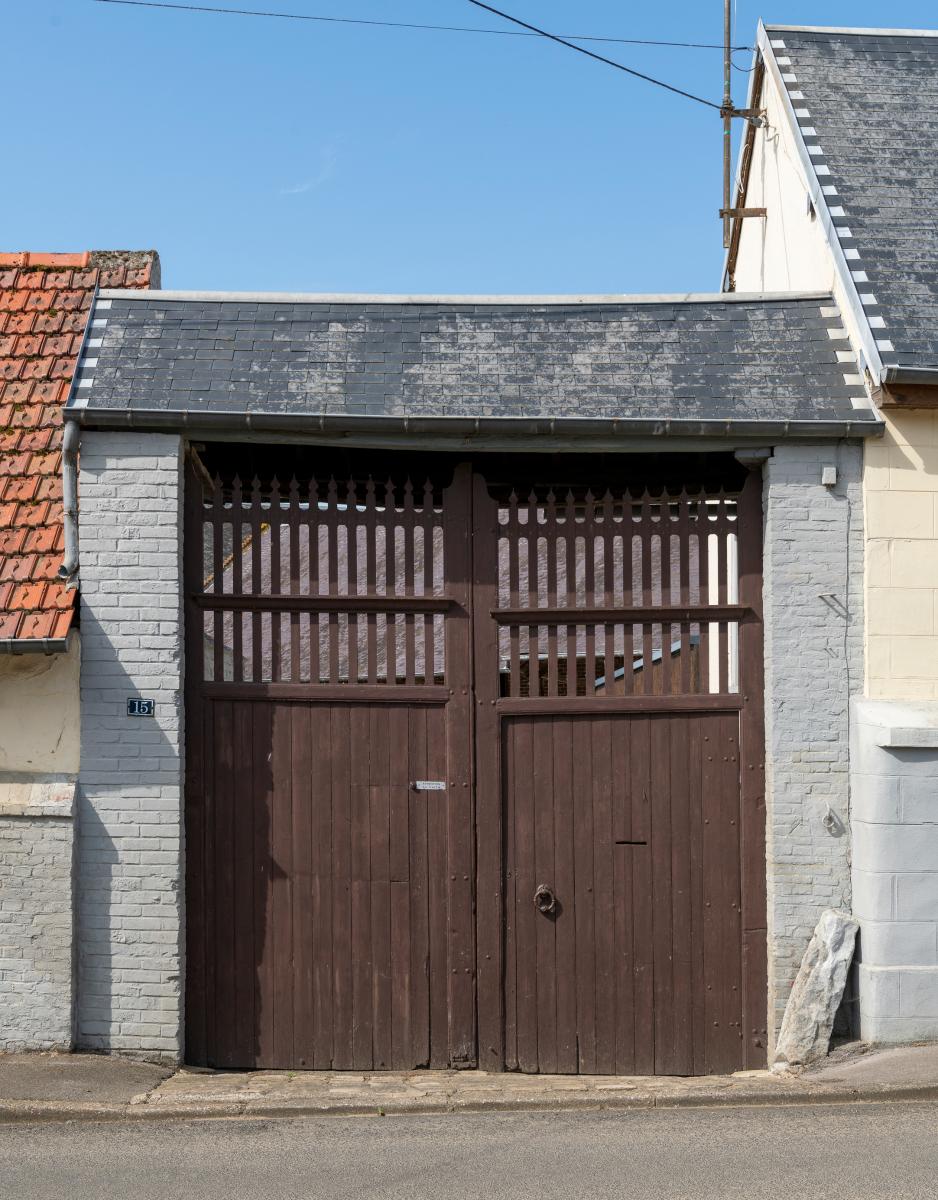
44, 302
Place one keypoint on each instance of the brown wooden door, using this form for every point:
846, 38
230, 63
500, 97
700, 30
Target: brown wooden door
320, 905
623, 940
618, 685
329, 799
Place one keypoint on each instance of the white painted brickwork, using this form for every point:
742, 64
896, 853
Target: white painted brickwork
130, 891
35, 932
814, 639
895, 867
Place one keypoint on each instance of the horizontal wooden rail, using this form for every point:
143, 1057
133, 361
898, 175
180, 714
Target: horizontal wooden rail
661, 614
324, 693
307, 603
570, 706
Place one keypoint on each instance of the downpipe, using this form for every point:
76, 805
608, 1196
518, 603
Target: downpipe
68, 571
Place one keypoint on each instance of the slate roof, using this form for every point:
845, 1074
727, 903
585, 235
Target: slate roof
867, 106
715, 359
44, 303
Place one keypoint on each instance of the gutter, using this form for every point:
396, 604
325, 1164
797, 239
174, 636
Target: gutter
68, 571
71, 435
34, 645
925, 376
341, 427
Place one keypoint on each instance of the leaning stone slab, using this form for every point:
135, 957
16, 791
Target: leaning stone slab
818, 989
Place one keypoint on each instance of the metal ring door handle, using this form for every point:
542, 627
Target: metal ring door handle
544, 899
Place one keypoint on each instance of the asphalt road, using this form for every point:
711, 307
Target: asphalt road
822, 1152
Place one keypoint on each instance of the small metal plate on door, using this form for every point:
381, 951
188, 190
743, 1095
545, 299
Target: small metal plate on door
429, 785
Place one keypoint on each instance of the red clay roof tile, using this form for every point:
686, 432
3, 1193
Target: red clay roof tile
44, 302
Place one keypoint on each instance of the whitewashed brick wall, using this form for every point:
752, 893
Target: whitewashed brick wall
129, 880
814, 640
36, 842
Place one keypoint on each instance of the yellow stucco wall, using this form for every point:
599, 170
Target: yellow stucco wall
900, 477
39, 713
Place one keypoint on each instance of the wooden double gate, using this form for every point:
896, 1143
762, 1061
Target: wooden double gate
474, 774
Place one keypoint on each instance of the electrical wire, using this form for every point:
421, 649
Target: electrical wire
553, 37
285, 16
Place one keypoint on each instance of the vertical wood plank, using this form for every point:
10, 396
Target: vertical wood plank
551, 534
371, 580
332, 555
380, 878
700, 1005
591, 600
425, 888
490, 795
280, 934
218, 580
543, 799
237, 575
324, 884
661, 833
342, 952
224, 885
525, 915
681, 921
244, 1002
570, 650
648, 674
585, 907
642, 907
400, 884
458, 766
263, 900
360, 831
599, 729
276, 579
563, 738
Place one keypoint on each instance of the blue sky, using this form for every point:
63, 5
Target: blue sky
280, 155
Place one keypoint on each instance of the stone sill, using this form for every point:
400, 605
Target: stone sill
47, 796
899, 724
920, 738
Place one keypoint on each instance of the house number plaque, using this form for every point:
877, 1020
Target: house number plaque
141, 708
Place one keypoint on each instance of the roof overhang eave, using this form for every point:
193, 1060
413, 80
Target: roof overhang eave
343, 427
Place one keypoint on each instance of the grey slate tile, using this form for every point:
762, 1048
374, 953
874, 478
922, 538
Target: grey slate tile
714, 360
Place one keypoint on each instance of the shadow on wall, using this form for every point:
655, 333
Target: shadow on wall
129, 904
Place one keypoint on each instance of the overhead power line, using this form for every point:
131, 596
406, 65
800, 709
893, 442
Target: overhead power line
286, 16
598, 57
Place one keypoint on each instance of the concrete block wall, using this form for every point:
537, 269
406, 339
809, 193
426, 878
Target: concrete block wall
813, 591
36, 950
895, 867
130, 866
